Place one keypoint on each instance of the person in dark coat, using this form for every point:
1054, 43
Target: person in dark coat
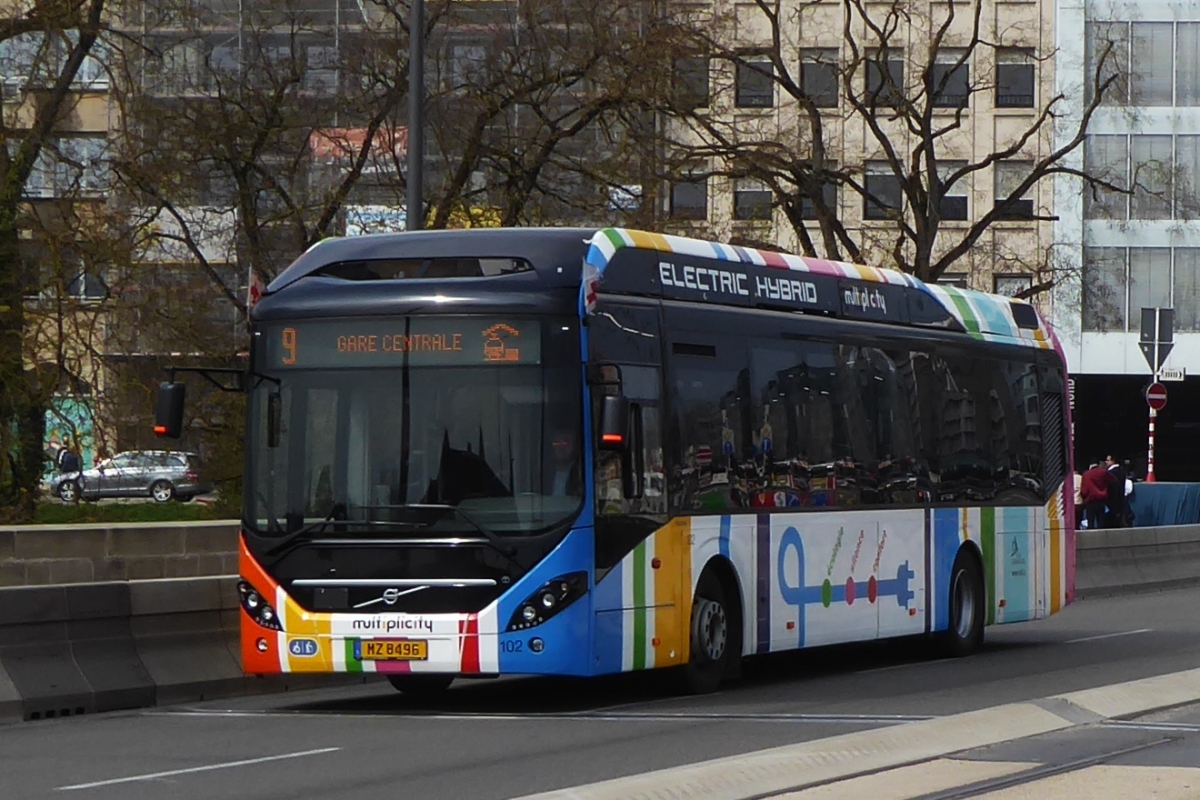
1094, 492
1118, 510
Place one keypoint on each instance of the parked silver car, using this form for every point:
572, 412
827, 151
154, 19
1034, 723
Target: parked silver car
159, 474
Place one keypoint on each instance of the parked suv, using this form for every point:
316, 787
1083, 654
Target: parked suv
158, 474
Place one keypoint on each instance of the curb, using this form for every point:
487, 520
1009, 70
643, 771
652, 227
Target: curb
780, 770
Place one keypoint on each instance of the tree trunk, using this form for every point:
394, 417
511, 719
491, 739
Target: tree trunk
22, 420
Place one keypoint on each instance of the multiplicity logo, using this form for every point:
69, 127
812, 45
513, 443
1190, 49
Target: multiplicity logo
866, 299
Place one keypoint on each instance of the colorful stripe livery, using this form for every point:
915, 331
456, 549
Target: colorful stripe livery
983, 316
804, 579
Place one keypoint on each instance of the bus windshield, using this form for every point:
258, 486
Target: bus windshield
492, 448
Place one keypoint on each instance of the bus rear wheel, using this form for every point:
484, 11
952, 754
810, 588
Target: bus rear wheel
710, 638
421, 685
968, 611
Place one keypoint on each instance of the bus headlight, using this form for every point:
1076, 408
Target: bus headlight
552, 597
257, 607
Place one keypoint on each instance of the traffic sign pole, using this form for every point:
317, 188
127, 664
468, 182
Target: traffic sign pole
1156, 342
1150, 457
1156, 399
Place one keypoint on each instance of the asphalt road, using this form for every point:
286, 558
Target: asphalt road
507, 738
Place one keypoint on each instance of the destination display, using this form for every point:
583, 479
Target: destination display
713, 280
416, 341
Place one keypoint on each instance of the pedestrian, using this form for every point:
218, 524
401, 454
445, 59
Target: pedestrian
1078, 501
1118, 512
1094, 493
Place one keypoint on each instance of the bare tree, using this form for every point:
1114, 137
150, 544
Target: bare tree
528, 110
874, 152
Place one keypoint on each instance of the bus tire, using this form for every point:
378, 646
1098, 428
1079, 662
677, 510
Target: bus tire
421, 685
710, 630
968, 606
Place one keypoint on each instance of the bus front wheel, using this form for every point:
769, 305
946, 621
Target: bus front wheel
421, 685
710, 639
967, 607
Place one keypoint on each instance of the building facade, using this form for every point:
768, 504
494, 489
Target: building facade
990, 77
1138, 247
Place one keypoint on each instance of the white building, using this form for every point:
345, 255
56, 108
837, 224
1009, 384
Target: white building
1138, 250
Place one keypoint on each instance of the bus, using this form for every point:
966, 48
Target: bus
581, 452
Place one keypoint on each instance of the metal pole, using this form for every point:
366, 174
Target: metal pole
415, 213
1153, 413
1150, 457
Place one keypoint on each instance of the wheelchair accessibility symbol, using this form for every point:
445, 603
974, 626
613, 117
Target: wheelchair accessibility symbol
826, 594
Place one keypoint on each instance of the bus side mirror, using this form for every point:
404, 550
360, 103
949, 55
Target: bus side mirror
274, 418
168, 411
614, 423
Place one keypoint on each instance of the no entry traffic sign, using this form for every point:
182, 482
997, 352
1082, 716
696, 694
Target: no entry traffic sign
1156, 396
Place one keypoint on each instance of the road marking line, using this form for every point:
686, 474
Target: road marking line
208, 768
1109, 636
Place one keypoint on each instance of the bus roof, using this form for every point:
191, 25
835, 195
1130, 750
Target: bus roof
619, 260
979, 314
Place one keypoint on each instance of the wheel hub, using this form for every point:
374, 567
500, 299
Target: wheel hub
709, 630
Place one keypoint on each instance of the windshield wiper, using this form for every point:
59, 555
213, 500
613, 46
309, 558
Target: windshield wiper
307, 530
495, 540
505, 549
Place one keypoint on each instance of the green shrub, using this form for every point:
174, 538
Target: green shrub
55, 513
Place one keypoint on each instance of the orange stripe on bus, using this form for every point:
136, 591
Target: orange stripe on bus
673, 614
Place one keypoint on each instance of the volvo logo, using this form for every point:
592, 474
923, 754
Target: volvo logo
390, 596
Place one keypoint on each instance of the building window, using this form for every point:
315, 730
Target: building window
1104, 287
885, 77
1187, 177
751, 200
883, 199
321, 69
465, 62
950, 79
71, 167
1107, 49
26, 60
86, 286
1150, 157
954, 204
1106, 158
955, 279
1186, 285
1187, 64
828, 193
1011, 285
691, 83
1151, 64
819, 77
1149, 279
1014, 78
689, 198
1009, 177
755, 84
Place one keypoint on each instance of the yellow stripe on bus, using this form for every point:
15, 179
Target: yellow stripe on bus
672, 587
649, 241
1056, 547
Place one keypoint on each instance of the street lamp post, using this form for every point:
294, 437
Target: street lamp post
416, 115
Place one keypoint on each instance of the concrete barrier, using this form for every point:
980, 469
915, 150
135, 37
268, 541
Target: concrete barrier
83, 648
79, 648
36, 555
1136, 559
